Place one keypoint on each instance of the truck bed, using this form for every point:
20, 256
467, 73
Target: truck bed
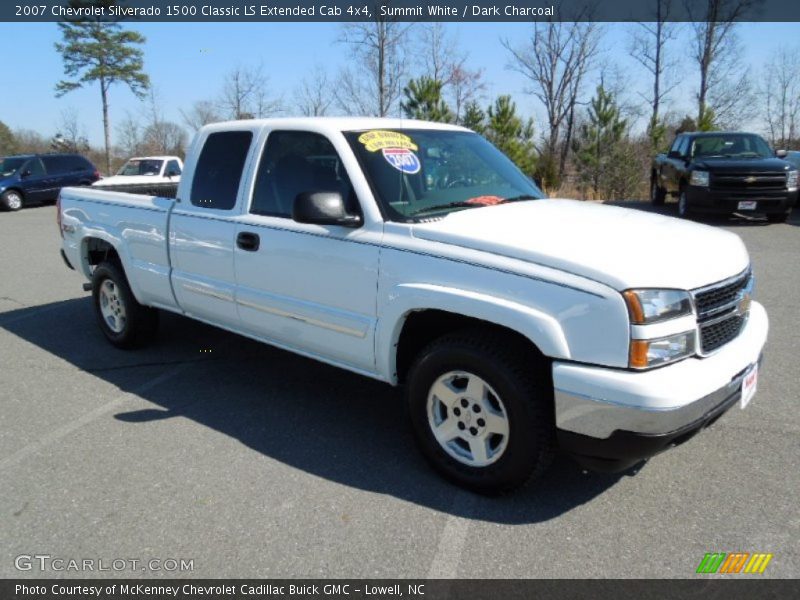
136, 224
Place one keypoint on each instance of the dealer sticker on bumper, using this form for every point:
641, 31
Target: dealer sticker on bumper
749, 384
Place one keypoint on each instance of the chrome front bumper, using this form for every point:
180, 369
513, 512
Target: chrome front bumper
598, 402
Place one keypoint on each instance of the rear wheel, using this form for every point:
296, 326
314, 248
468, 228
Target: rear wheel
11, 200
124, 322
482, 416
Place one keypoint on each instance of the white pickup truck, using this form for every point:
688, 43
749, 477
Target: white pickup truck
416, 253
144, 171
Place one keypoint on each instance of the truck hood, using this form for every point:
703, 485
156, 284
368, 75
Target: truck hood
754, 165
620, 247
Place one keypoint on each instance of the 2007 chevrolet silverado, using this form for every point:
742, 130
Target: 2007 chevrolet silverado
418, 254
724, 173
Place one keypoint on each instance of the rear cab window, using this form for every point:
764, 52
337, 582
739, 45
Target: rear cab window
219, 169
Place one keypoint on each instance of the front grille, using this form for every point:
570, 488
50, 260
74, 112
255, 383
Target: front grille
748, 183
718, 334
719, 314
713, 299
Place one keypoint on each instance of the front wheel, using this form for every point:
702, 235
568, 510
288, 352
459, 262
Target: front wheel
657, 194
124, 322
11, 200
482, 416
683, 205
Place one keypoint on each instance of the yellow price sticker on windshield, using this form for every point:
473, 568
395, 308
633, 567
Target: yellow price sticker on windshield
378, 139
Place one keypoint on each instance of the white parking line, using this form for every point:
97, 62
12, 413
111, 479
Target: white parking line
454, 535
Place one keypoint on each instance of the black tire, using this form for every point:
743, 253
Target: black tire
12, 200
684, 211
658, 195
779, 217
140, 323
525, 393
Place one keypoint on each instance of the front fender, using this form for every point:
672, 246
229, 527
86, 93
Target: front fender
541, 329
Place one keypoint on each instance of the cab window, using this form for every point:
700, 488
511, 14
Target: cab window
219, 169
294, 162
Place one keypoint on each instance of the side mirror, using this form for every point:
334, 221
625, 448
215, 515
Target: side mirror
25, 173
675, 154
323, 208
172, 173
781, 153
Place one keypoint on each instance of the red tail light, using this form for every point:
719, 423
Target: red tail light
97, 175
58, 215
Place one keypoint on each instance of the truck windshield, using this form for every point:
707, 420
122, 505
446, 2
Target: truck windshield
729, 145
421, 173
9, 166
137, 166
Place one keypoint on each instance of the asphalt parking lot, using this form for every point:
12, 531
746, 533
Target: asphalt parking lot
250, 461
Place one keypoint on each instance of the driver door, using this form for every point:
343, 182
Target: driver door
307, 287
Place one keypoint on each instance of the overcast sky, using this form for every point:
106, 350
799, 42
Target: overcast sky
188, 61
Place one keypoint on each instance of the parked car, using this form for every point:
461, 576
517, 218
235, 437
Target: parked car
151, 175
517, 324
724, 173
39, 177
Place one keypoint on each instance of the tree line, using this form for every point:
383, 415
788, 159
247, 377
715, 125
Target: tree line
586, 145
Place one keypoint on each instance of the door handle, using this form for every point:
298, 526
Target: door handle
248, 241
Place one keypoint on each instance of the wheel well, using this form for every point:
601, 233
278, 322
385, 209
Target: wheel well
15, 189
422, 327
98, 251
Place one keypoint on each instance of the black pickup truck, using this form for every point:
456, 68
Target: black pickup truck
725, 173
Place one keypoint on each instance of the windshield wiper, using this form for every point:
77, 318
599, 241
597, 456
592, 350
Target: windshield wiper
521, 197
437, 207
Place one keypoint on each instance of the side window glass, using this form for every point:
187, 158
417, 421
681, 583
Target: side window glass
219, 169
294, 162
35, 167
676, 145
173, 168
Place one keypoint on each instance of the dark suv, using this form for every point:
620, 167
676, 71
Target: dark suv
39, 177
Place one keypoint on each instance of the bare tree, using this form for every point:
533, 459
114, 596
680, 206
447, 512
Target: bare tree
315, 93
555, 61
724, 93
129, 136
378, 49
649, 47
160, 136
442, 60
71, 135
201, 113
466, 85
244, 94
780, 94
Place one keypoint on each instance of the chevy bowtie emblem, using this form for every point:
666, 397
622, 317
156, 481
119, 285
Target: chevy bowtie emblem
744, 303
750, 179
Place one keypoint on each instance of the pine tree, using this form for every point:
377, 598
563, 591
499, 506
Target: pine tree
424, 101
506, 130
102, 52
474, 118
598, 142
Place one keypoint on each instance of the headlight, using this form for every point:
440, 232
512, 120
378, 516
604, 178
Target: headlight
649, 306
699, 178
651, 353
791, 181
